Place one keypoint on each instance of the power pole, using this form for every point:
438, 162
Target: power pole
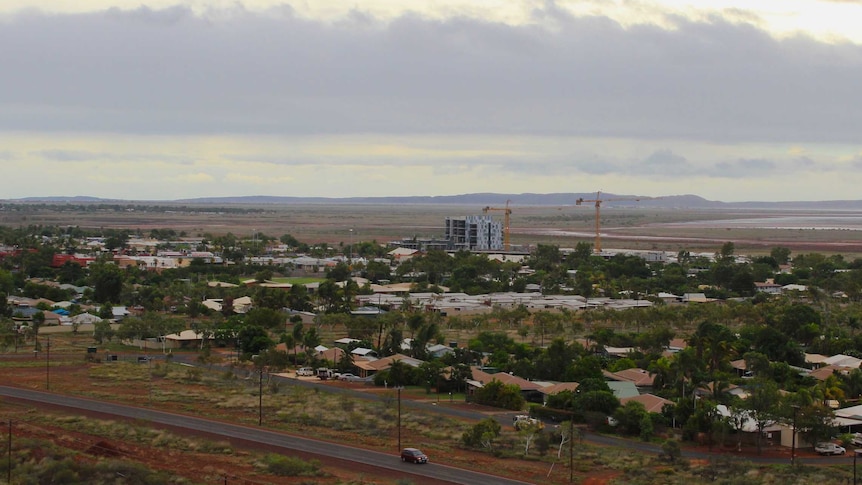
399, 419
9, 457
571, 447
260, 397
48, 363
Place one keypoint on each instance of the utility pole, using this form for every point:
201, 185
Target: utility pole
571, 447
9, 456
399, 418
793, 439
48, 363
260, 397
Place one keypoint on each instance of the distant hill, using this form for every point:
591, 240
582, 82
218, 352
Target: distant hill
495, 199
687, 201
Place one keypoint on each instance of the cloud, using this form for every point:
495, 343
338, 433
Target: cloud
243, 72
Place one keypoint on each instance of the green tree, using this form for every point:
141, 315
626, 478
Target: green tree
497, 394
482, 434
102, 331
763, 405
253, 340
107, 282
265, 317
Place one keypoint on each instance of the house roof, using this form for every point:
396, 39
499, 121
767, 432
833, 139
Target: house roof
508, 379
639, 377
814, 358
386, 362
651, 402
623, 389
559, 387
824, 372
221, 284
841, 360
185, 336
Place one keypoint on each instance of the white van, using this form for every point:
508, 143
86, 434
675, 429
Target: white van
305, 372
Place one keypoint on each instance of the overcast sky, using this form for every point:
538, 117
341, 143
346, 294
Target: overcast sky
730, 100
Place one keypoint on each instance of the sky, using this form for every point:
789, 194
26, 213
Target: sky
163, 99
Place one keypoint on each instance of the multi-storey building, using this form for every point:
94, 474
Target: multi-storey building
474, 233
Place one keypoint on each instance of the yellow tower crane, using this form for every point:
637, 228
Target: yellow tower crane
506, 213
598, 201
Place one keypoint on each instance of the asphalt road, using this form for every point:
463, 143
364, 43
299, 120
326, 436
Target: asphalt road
262, 436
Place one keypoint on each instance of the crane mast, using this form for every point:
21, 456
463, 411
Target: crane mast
598, 202
506, 213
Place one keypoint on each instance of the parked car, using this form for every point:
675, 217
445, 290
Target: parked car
413, 456
829, 449
523, 421
305, 371
857, 439
353, 378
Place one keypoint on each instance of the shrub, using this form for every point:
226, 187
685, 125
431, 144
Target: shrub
482, 434
291, 466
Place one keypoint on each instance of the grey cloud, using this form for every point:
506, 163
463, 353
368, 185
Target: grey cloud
90, 156
744, 168
664, 163
171, 71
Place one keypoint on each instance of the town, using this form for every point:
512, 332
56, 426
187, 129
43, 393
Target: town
741, 353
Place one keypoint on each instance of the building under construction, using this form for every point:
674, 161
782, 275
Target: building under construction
474, 233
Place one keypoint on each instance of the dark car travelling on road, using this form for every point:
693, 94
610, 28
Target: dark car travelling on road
413, 455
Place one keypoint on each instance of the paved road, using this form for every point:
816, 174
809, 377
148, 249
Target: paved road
255, 435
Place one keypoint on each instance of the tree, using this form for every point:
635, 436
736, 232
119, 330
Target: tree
430, 374
780, 254
497, 394
253, 340
265, 317
631, 417
482, 434
102, 331
815, 423
400, 373
528, 432
762, 405
107, 282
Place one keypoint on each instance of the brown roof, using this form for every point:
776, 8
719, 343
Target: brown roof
823, 373
559, 387
508, 379
639, 377
652, 403
386, 362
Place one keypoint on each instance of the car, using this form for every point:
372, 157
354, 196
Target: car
305, 372
856, 440
829, 449
523, 421
347, 376
413, 455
